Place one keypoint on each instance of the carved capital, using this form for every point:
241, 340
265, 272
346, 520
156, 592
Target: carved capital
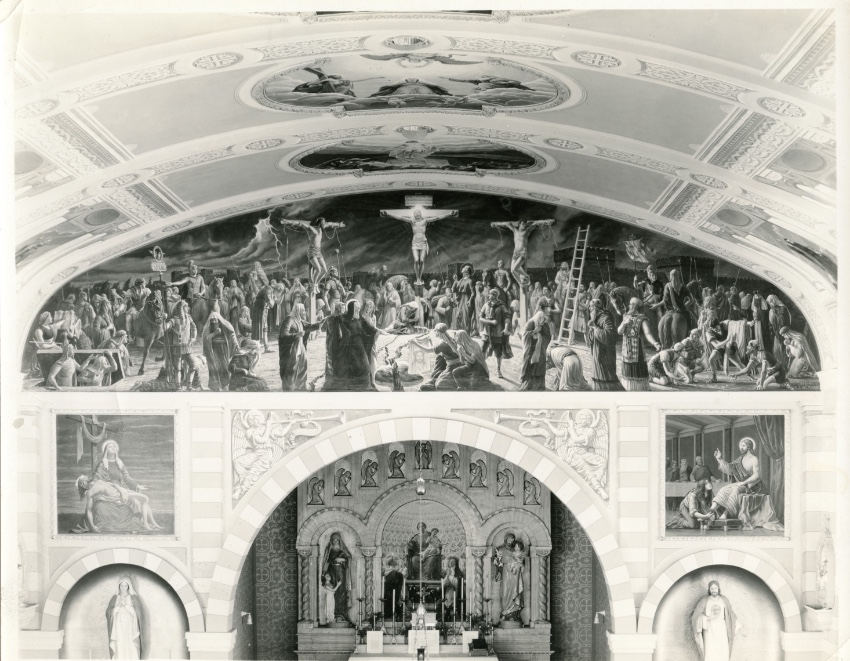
368, 551
479, 552
305, 552
543, 552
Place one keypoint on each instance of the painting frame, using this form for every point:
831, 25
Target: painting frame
171, 413
671, 534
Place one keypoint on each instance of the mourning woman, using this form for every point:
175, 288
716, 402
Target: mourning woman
219, 345
352, 354
535, 340
242, 377
335, 562
292, 348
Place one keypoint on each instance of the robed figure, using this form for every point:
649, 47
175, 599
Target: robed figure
351, 355
393, 584
124, 622
535, 340
714, 625
336, 562
219, 344
602, 337
293, 352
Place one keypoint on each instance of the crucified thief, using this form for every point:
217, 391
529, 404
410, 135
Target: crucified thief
419, 219
315, 234
521, 230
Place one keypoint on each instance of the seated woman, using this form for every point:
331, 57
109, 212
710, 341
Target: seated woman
802, 362
119, 343
472, 372
96, 370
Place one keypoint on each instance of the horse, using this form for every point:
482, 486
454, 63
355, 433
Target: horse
673, 327
148, 326
201, 307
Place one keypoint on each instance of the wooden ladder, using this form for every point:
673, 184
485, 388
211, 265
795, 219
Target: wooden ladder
570, 310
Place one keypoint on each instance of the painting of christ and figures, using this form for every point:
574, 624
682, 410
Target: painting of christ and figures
115, 474
725, 475
441, 291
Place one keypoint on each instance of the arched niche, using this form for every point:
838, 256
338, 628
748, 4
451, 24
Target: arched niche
757, 612
83, 618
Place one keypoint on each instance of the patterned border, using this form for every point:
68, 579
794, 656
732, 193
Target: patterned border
105, 557
253, 510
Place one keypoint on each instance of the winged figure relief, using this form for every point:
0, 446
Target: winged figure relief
581, 442
260, 441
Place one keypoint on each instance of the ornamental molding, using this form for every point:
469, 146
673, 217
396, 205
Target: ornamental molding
237, 208
606, 212
636, 159
53, 207
778, 279
781, 107
141, 203
483, 188
116, 250
778, 207
815, 72
269, 143
543, 197
337, 134
68, 144
814, 319
691, 80
663, 228
313, 47
124, 81
35, 108
193, 159
355, 188
560, 143
490, 133
708, 180
693, 204
755, 142
729, 256
120, 181
493, 17
503, 47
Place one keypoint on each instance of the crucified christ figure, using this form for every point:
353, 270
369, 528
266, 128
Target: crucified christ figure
315, 233
419, 219
521, 231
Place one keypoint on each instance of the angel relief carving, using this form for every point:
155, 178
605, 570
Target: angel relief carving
581, 442
258, 441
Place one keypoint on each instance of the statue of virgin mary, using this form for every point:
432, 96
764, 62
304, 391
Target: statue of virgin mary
125, 622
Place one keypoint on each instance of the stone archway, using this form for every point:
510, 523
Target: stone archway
774, 578
251, 513
143, 559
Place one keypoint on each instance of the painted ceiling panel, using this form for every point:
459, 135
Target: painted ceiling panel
44, 37
195, 108
222, 179
649, 113
617, 181
740, 36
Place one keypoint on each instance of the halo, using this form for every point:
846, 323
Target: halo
750, 439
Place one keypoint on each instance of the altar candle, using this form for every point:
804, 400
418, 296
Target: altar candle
393, 602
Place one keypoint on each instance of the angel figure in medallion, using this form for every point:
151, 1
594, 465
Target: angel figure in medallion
582, 443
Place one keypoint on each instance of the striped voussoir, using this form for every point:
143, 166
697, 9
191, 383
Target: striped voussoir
142, 559
560, 479
763, 568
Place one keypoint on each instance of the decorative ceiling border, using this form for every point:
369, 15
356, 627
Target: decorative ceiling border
494, 17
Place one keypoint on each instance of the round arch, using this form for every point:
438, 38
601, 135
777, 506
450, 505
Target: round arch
143, 559
253, 510
776, 579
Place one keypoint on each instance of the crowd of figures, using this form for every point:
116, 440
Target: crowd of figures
665, 333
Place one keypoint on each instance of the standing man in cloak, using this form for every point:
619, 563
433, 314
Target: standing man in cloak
293, 350
602, 337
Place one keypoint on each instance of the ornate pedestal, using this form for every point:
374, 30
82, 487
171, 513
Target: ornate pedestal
523, 644
325, 643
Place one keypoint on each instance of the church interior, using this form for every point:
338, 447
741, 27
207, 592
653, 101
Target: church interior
409, 209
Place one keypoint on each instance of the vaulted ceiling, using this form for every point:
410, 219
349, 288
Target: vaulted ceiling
716, 128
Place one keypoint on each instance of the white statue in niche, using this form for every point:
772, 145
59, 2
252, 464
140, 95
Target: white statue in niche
714, 625
125, 621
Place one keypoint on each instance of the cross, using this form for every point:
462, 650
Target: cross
418, 214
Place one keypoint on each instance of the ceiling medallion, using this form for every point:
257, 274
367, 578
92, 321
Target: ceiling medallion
407, 42
563, 144
600, 60
781, 107
217, 61
264, 144
708, 181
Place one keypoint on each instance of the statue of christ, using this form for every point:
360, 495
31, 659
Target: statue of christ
419, 218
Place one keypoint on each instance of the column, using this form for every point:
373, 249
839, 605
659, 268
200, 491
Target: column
631, 646
478, 585
543, 585
702, 445
31, 547
368, 581
304, 554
